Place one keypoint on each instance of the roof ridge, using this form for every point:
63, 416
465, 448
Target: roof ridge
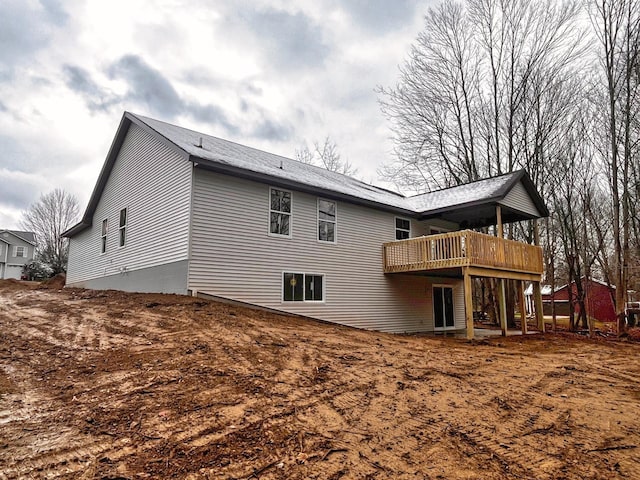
468, 183
241, 145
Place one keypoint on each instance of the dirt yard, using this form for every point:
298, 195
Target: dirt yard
109, 385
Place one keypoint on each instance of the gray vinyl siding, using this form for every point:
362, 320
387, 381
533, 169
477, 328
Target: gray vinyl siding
154, 184
424, 227
233, 256
519, 199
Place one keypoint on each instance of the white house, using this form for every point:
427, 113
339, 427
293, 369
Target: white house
179, 211
16, 250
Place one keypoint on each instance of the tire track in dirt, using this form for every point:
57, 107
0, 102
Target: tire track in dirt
72, 459
177, 387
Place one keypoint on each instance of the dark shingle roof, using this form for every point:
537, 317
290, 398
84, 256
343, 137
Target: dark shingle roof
235, 159
245, 158
28, 237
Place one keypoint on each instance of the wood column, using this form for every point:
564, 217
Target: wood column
523, 307
502, 301
468, 302
502, 307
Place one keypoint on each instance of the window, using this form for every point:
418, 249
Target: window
293, 287
326, 221
103, 235
280, 212
403, 228
313, 288
302, 287
20, 252
123, 226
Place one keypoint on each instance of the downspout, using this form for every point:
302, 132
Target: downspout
188, 289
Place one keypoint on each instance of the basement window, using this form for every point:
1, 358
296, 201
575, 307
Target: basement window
302, 287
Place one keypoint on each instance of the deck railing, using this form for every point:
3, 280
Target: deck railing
460, 249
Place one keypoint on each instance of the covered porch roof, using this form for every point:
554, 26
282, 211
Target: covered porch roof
474, 205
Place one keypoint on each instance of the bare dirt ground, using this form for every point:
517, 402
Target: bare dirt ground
110, 385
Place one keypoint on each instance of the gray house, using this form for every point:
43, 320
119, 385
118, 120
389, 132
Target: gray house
179, 211
16, 250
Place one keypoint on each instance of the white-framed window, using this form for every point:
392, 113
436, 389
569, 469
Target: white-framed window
327, 220
103, 235
279, 212
20, 251
302, 287
122, 228
403, 228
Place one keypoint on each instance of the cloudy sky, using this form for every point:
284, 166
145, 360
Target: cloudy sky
266, 73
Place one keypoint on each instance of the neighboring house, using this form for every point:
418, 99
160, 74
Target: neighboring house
16, 250
178, 211
599, 300
546, 294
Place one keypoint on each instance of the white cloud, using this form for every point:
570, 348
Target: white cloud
266, 73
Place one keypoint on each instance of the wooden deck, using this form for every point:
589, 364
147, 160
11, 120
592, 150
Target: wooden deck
485, 254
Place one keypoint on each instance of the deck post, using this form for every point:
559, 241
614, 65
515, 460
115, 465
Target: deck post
502, 307
468, 302
500, 232
523, 307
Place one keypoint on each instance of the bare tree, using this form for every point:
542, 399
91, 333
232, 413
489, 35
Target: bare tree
617, 26
434, 105
462, 107
572, 194
325, 155
51, 215
304, 155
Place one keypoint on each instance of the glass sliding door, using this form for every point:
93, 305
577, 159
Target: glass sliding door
443, 308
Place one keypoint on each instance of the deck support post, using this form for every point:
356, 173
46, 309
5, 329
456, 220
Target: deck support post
468, 302
502, 303
502, 307
523, 307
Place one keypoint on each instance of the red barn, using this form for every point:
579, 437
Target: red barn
598, 301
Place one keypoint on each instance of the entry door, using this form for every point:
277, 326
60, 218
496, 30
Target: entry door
443, 308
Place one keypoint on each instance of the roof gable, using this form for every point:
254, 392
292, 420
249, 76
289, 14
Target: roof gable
28, 237
212, 153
